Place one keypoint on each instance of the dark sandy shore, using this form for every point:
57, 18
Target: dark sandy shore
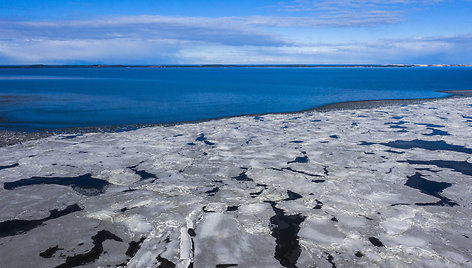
8, 137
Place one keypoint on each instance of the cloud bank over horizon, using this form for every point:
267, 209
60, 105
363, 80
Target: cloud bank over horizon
303, 31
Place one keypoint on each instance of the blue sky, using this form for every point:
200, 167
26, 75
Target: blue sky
235, 32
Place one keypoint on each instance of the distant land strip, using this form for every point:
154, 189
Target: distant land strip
234, 65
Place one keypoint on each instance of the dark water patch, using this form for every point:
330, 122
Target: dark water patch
122, 210
365, 143
213, 191
334, 136
226, 265
9, 166
437, 132
429, 125
394, 152
262, 185
292, 196
432, 108
463, 167
298, 159
259, 118
294, 118
191, 144
368, 218
397, 123
399, 127
297, 171
206, 210
285, 230
128, 190
191, 232
397, 117
325, 170
93, 254
330, 259
316, 120
256, 194
232, 208
318, 181
359, 254
431, 188
399, 204
369, 153
465, 236
467, 117
422, 144
354, 124
178, 135
15, 227
242, 177
296, 141
427, 169
83, 184
134, 246
334, 219
203, 139
48, 253
319, 204
144, 175
376, 242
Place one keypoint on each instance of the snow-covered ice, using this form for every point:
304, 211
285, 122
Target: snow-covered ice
378, 187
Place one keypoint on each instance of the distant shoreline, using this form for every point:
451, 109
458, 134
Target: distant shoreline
11, 137
38, 66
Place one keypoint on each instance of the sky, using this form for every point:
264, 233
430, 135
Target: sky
235, 32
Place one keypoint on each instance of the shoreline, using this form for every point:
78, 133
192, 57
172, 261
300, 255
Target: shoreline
11, 137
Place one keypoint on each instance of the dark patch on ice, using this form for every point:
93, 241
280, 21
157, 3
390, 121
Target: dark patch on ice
397, 117
354, 124
296, 141
365, 143
259, 118
48, 253
207, 211
376, 242
429, 125
178, 135
325, 170
191, 144
319, 204
123, 209
394, 152
129, 190
359, 254
369, 153
285, 230
84, 184
144, 175
330, 259
243, 177
294, 118
262, 185
292, 196
368, 218
427, 169
205, 153
318, 181
297, 171
134, 246
334, 219
203, 139
427, 145
226, 265
255, 194
191, 232
15, 227
463, 167
465, 236
232, 208
334, 136
9, 166
324, 141
213, 191
165, 263
399, 204
467, 117
431, 188
316, 120
94, 253
299, 159
437, 132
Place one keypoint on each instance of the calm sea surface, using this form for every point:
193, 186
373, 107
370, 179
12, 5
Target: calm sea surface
73, 97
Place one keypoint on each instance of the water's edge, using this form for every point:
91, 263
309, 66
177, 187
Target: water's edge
11, 137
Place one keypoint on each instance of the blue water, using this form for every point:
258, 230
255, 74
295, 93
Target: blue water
46, 98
